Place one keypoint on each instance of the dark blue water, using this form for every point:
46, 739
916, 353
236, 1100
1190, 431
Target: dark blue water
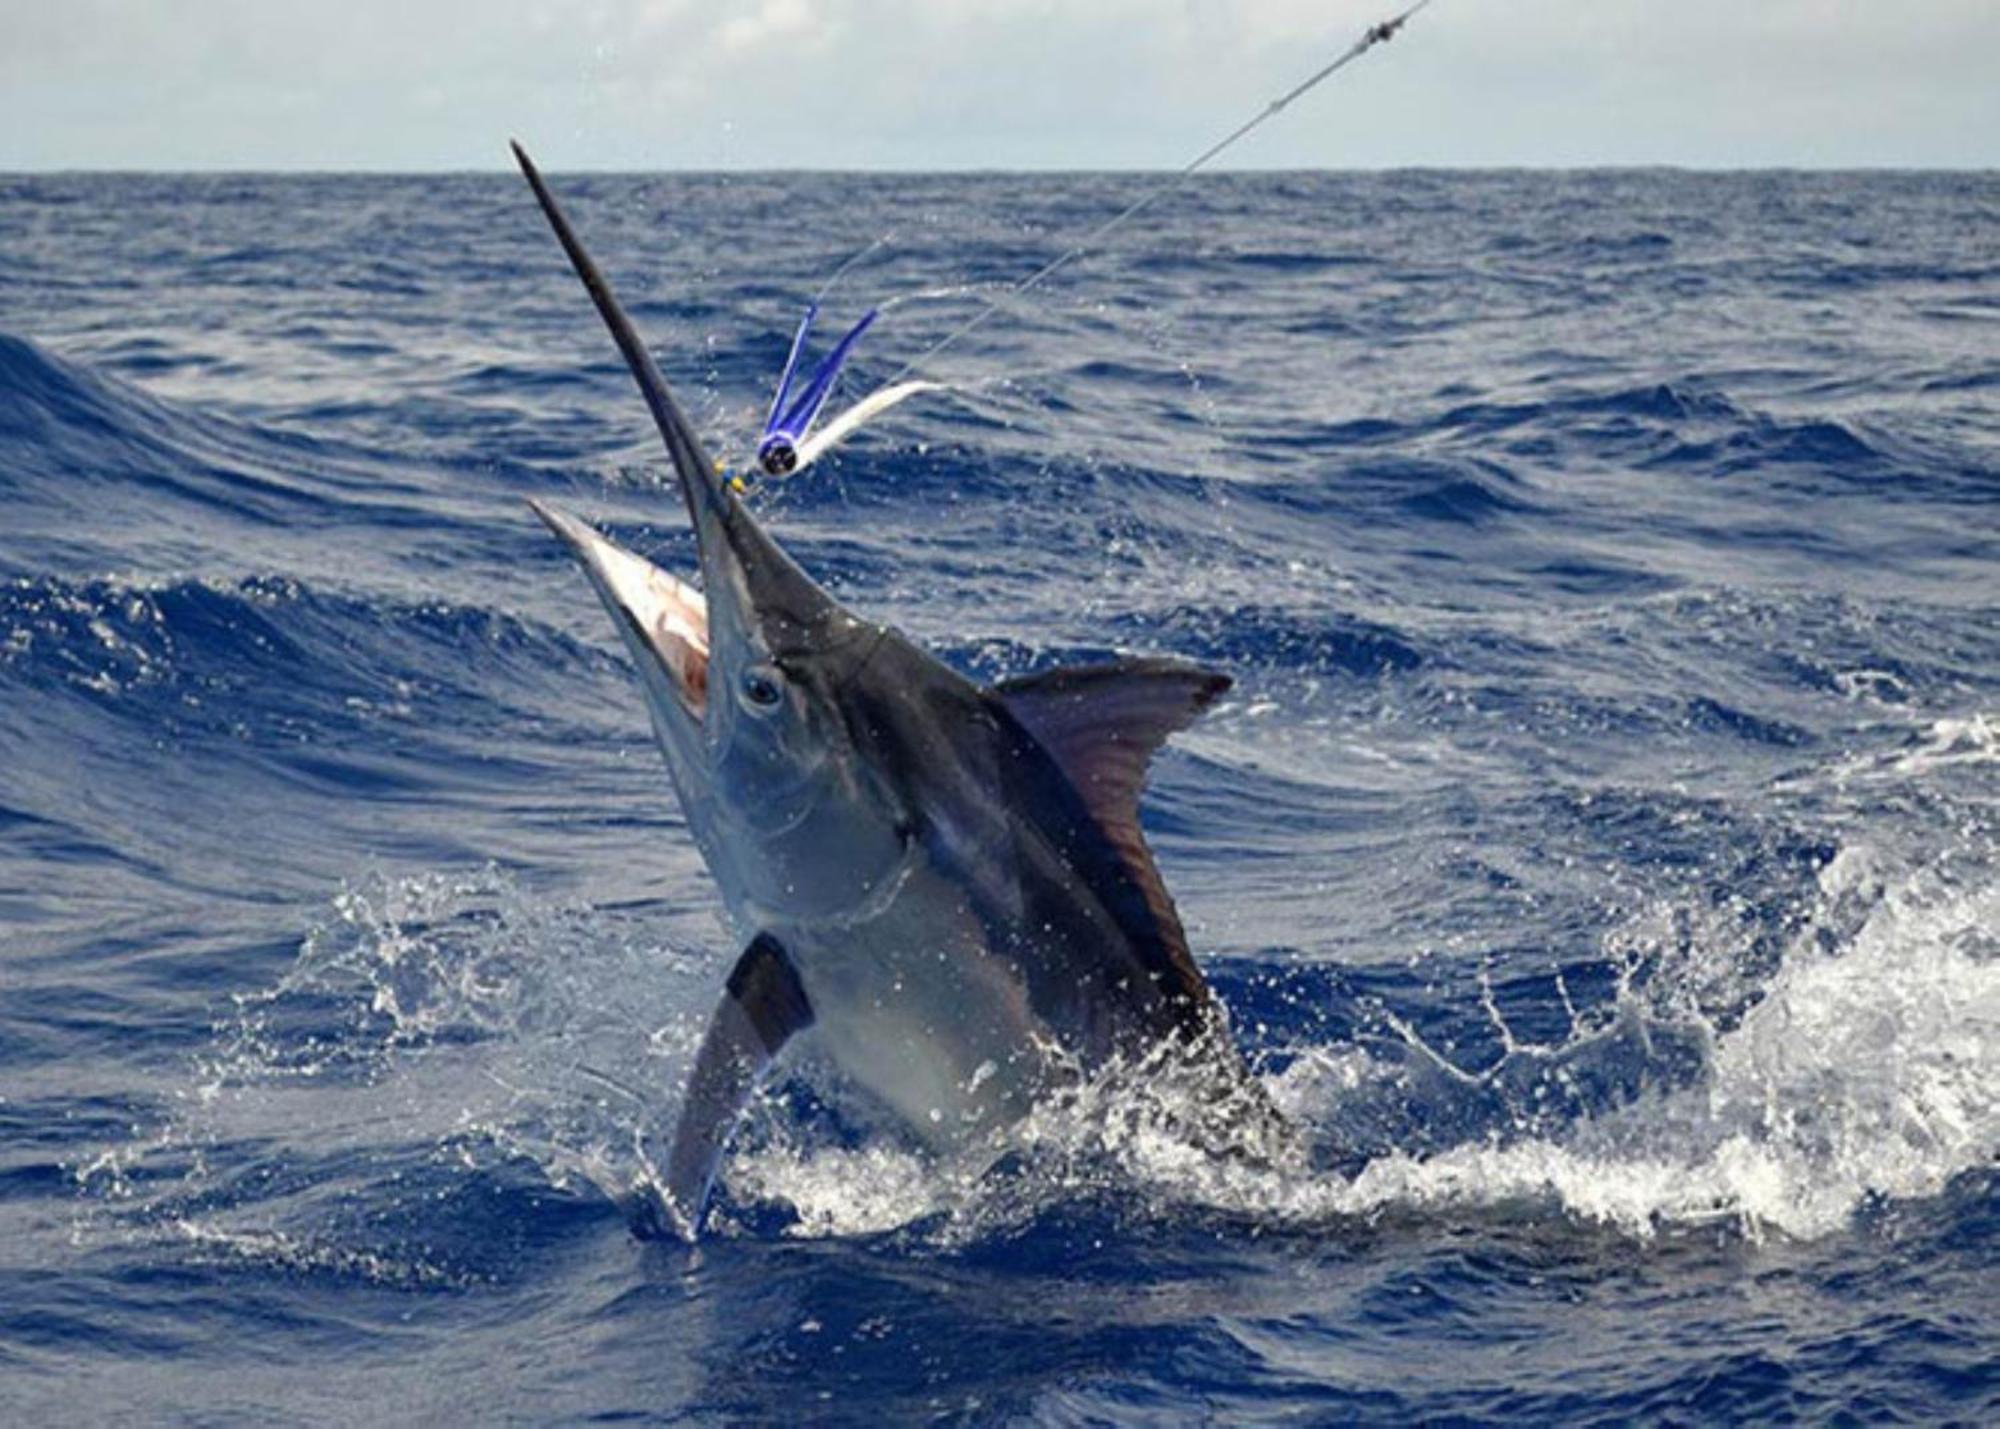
1598, 854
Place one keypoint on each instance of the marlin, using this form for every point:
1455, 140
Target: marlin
944, 885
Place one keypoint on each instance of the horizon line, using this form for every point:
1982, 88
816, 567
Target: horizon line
997, 171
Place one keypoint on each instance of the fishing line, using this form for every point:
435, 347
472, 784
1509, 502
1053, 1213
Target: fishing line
853, 260
1373, 36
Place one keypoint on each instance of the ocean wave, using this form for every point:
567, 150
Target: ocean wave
160, 653
87, 451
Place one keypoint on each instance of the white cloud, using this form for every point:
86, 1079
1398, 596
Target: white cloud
773, 22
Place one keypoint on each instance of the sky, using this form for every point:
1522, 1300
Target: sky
433, 85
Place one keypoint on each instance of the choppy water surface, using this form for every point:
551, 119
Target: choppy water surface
1598, 853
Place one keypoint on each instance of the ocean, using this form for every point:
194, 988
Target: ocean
1597, 853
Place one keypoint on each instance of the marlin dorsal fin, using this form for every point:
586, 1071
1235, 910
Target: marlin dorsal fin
1101, 723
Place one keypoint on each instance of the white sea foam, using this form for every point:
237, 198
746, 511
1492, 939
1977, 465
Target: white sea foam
1867, 1070
306, 1255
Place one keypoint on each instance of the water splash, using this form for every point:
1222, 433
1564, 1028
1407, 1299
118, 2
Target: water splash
1866, 1071
431, 1026
463, 1022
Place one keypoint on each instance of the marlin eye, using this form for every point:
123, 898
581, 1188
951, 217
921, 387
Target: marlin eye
760, 687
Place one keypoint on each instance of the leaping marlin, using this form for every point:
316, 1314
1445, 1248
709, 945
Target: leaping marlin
946, 884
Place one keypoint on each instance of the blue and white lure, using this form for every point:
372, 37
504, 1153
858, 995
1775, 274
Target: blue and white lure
790, 442
790, 424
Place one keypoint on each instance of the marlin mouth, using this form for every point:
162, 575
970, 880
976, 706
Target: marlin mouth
662, 617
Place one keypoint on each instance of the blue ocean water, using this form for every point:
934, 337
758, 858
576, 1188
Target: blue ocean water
1598, 853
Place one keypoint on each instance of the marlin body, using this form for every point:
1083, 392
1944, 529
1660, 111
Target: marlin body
944, 885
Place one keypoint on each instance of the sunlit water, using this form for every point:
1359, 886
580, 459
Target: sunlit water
1597, 854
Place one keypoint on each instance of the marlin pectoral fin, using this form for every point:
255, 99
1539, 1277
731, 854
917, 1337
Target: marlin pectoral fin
763, 1005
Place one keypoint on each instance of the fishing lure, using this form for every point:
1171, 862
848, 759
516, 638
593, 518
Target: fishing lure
789, 443
791, 420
